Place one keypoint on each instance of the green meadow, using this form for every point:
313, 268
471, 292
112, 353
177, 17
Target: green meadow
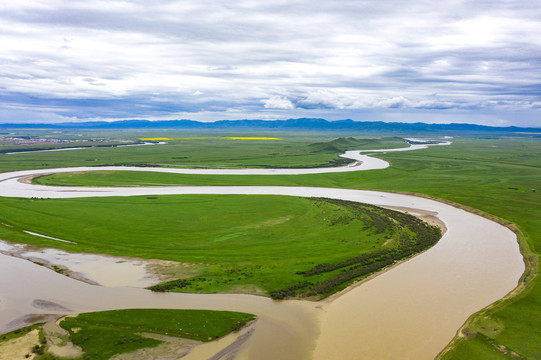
242, 243
102, 335
292, 151
500, 177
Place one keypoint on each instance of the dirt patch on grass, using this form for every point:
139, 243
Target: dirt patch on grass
248, 289
171, 348
165, 270
20, 347
430, 217
266, 223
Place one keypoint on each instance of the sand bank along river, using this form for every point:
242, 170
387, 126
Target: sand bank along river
409, 312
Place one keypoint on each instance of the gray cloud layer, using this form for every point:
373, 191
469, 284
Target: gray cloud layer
208, 60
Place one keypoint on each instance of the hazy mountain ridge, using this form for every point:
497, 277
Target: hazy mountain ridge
291, 124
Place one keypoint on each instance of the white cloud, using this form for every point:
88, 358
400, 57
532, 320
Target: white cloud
394, 102
278, 102
213, 55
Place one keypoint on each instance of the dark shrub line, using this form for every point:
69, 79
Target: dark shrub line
170, 285
289, 291
414, 236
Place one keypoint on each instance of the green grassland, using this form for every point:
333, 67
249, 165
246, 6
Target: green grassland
494, 175
232, 242
11, 149
104, 334
101, 335
292, 151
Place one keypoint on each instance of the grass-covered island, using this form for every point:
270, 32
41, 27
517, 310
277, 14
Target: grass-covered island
102, 335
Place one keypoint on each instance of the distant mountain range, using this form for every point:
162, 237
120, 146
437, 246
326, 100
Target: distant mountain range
303, 124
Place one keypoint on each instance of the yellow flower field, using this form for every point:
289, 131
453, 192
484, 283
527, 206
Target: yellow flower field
206, 138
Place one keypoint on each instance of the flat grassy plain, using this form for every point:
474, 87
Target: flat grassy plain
495, 175
293, 151
102, 335
241, 243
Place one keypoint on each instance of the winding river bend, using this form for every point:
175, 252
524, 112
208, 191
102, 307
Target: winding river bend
409, 312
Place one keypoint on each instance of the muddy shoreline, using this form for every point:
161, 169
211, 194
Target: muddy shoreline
140, 272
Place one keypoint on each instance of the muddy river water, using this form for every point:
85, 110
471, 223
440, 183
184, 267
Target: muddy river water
408, 312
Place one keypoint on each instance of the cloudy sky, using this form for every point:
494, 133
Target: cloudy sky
436, 62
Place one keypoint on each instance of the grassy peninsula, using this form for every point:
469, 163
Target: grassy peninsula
273, 245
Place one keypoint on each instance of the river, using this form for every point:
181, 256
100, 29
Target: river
409, 312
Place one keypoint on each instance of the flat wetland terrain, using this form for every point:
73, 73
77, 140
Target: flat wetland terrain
500, 177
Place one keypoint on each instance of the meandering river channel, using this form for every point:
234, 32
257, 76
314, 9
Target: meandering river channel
408, 312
